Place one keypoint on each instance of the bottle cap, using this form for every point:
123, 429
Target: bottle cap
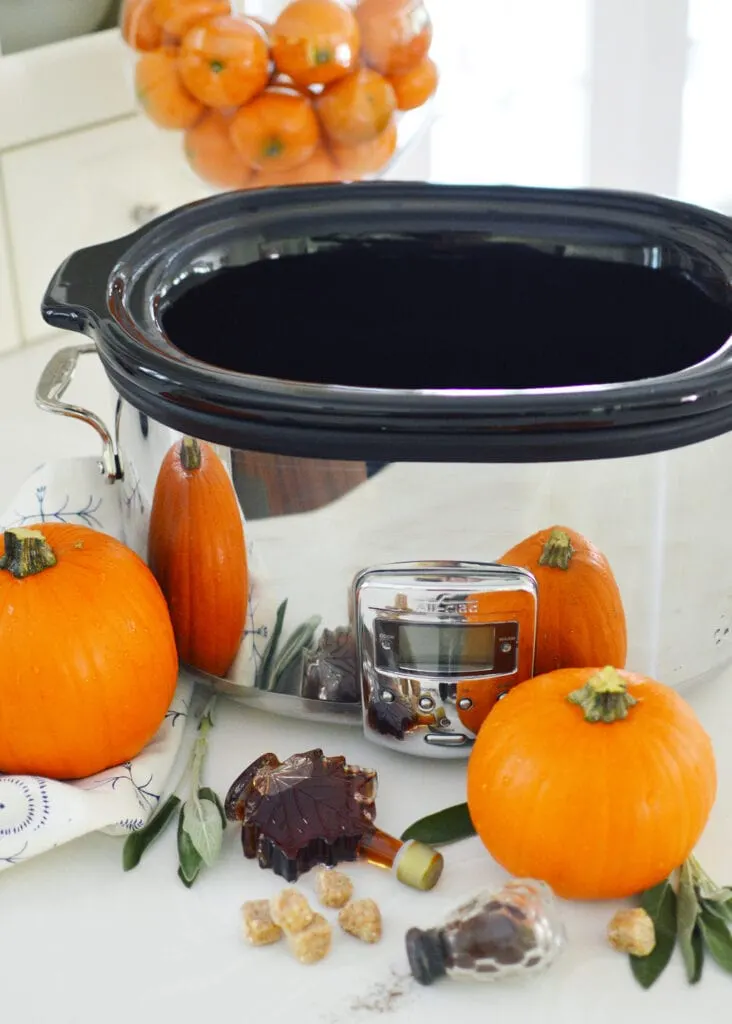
426, 955
419, 865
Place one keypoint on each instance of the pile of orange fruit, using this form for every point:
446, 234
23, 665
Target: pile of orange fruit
313, 97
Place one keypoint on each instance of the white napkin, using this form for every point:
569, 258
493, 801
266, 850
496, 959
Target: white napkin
38, 814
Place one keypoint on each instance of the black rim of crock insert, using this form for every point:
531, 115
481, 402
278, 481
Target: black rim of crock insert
91, 293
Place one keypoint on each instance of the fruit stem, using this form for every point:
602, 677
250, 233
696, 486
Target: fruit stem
27, 552
190, 454
557, 551
604, 697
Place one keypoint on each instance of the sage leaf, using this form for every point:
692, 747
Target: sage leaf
697, 945
717, 938
137, 842
687, 915
206, 793
723, 895
297, 643
202, 824
660, 905
723, 911
189, 859
446, 826
265, 666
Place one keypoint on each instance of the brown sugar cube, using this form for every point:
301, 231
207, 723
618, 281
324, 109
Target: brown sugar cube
290, 910
313, 942
333, 888
361, 918
259, 928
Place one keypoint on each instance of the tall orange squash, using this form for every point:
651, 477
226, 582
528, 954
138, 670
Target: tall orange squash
581, 618
197, 551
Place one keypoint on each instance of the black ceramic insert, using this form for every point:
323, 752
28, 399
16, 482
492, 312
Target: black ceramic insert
389, 321
428, 314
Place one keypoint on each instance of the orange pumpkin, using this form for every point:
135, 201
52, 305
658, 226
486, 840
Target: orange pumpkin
277, 131
197, 551
581, 617
88, 665
315, 41
599, 782
162, 94
356, 108
224, 61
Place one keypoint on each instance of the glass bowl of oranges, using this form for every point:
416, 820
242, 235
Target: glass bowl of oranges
312, 91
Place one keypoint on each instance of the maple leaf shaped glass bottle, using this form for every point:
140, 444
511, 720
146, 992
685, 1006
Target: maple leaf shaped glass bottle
311, 809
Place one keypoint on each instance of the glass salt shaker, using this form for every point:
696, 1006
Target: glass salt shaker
516, 931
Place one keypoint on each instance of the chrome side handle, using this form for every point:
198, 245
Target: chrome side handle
55, 379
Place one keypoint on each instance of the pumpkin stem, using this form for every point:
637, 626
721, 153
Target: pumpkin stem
604, 697
557, 551
27, 552
190, 454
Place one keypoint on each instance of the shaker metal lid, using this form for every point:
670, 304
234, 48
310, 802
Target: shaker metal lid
485, 324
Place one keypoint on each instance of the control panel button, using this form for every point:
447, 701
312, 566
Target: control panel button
506, 647
447, 739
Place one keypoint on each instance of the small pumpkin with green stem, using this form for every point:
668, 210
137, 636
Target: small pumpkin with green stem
598, 781
581, 619
88, 664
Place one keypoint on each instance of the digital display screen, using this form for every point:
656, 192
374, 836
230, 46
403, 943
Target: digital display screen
449, 650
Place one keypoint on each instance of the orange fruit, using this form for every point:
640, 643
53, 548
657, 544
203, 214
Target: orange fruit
161, 93
211, 153
395, 34
315, 41
367, 157
319, 169
139, 27
356, 108
176, 16
276, 131
224, 62
415, 87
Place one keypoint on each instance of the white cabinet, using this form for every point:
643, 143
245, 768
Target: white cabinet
63, 87
83, 188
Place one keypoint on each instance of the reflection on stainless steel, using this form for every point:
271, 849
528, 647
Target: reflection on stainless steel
434, 660
331, 669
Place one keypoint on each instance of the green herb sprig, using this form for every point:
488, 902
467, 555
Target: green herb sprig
201, 817
696, 915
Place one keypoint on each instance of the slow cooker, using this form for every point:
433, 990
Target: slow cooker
402, 381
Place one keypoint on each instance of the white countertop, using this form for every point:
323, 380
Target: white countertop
81, 941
